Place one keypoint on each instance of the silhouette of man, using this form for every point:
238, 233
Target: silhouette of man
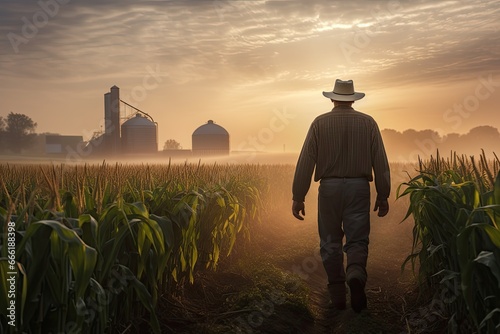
343, 146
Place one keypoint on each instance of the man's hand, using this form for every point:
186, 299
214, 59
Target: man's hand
297, 209
382, 206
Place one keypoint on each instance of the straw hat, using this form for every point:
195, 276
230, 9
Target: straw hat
344, 91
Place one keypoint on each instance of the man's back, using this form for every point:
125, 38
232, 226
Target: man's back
342, 143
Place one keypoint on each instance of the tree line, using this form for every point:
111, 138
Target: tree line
17, 132
410, 144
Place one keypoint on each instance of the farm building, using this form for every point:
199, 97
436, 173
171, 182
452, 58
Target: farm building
58, 144
210, 139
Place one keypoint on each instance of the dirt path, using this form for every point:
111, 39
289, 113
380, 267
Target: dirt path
387, 289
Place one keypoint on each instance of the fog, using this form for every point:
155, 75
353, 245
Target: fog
234, 158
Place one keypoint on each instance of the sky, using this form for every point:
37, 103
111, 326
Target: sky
257, 68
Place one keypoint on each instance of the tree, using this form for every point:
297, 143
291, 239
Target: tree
171, 144
2, 134
19, 132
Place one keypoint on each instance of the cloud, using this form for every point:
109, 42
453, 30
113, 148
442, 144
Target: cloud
257, 41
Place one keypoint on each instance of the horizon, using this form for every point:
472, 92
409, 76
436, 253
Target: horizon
407, 146
257, 68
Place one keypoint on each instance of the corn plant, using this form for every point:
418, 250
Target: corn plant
97, 244
456, 238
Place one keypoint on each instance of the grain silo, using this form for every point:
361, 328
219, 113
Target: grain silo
139, 135
210, 138
112, 120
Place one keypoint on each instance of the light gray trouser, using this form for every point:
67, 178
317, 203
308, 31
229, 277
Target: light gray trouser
344, 208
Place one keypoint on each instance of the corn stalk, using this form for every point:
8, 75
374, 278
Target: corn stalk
456, 238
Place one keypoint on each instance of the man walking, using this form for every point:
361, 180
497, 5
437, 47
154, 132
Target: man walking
344, 146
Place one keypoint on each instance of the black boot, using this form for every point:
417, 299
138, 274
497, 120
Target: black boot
358, 296
337, 295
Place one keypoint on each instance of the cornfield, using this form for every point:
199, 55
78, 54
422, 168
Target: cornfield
455, 203
96, 245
